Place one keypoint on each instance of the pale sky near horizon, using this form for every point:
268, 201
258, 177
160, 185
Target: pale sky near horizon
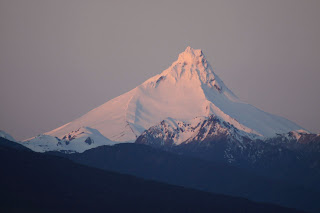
59, 59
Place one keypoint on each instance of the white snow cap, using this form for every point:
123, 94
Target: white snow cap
191, 56
192, 67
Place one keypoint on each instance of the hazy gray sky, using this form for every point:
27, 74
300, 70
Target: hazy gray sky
59, 59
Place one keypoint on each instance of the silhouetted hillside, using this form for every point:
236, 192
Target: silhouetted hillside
33, 182
147, 162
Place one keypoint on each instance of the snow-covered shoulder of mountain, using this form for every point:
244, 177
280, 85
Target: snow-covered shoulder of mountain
42, 143
6, 135
79, 140
174, 132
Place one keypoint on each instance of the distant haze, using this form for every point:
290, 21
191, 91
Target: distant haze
59, 59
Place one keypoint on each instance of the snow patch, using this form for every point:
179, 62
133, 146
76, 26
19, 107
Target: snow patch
78, 140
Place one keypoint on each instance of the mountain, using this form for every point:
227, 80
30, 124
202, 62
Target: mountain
187, 90
76, 141
36, 182
153, 164
292, 156
171, 132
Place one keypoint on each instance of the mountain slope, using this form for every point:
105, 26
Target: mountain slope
34, 182
189, 88
5, 135
172, 132
146, 162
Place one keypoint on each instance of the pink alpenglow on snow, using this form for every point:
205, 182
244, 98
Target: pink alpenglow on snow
188, 89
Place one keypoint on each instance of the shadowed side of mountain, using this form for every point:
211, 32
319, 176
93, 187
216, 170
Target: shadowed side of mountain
12, 144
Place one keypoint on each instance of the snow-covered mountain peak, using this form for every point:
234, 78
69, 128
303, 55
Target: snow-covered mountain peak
190, 56
191, 69
188, 89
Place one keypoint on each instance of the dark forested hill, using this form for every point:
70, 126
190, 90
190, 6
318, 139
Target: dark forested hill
33, 182
150, 163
